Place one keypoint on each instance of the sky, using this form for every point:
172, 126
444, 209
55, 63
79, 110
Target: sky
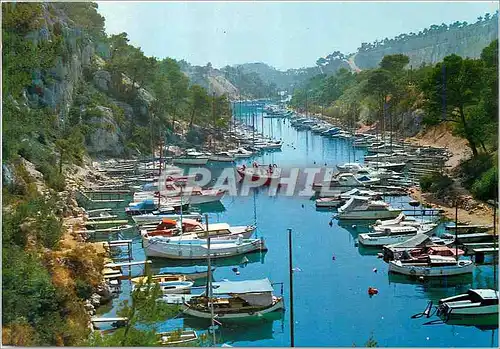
281, 34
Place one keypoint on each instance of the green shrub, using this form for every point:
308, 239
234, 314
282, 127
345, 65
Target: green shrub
83, 289
486, 186
473, 168
435, 183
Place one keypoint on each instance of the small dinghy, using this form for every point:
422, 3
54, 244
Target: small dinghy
175, 287
177, 337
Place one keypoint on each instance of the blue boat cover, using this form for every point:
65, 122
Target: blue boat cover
247, 286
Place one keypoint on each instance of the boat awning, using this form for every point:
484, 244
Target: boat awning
247, 286
412, 242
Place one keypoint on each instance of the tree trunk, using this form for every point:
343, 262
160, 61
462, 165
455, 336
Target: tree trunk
191, 121
173, 121
483, 146
468, 136
61, 161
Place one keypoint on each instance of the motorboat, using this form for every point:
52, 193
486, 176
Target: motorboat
329, 202
194, 195
193, 249
374, 195
345, 181
474, 303
222, 157
260, 173
233, 300
241, 153
432, 266
387, 235
191, 158
150, 206
158, 217
359, 207
177, 337
171, 287
158, 278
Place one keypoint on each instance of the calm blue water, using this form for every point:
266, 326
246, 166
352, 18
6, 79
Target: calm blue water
332, 307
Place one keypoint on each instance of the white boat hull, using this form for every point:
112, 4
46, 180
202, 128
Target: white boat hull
200, 251
225, 316
188, 161
472, 311
330, 203
368, 240
369, 215
221, 159
152, 218
426, 271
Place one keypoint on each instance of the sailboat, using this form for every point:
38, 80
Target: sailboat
236, 300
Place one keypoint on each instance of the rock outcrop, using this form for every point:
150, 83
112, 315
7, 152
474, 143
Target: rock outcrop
434, 45
105, 138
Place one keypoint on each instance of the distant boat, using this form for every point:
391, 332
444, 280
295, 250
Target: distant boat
241, 153
394, 234
173, 287
329, 202
157, 217
222, 157
191, 158
264, 174
358, 207
432, 266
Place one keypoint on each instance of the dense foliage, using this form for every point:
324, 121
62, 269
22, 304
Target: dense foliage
44, 282
459, 91
249, 84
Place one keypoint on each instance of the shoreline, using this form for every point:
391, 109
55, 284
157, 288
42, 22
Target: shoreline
478, 213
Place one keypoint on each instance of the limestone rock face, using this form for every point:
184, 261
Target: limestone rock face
434, 45
102, 80
106, 136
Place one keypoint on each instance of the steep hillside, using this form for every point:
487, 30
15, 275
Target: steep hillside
432, 44
231, 81
284, 80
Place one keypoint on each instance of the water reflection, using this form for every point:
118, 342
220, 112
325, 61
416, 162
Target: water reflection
248, 330
434, 282
484, 322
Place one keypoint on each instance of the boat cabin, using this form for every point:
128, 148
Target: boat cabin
475, 297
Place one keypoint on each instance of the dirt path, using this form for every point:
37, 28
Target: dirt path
479, 215
477, 212
441, 136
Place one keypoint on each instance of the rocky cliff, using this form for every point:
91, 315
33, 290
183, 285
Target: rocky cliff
432, 45
78, 83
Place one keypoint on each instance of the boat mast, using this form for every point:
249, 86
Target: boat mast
213, 117
456, 229
262, 120
209, 283
290, 267
182, 230
253, 129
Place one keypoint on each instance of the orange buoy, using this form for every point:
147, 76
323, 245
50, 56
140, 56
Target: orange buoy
372, 291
